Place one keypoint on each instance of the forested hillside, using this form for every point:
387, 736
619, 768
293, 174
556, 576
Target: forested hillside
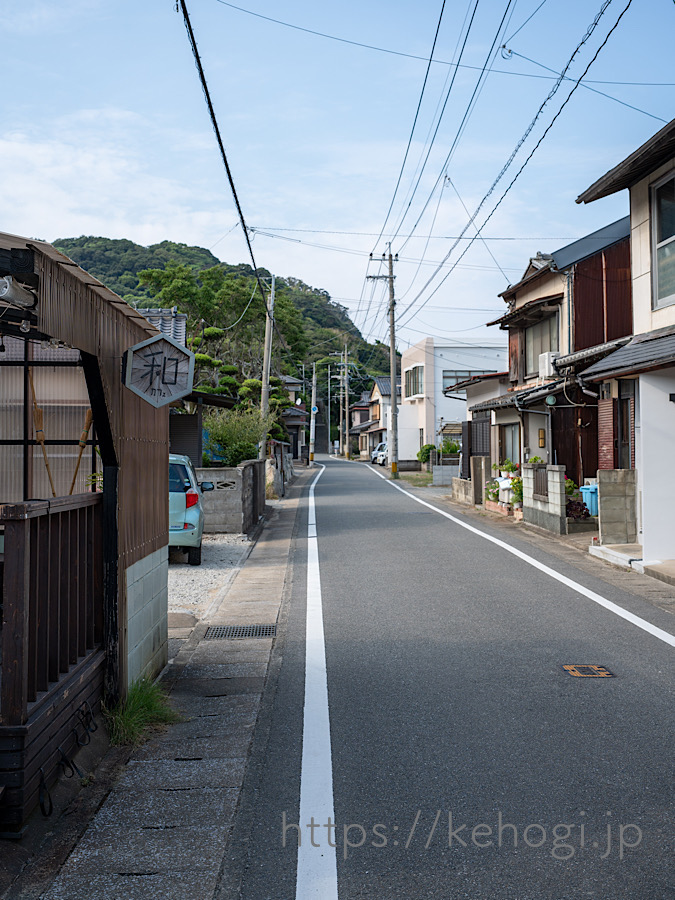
225, 314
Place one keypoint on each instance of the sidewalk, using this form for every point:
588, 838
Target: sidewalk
162, 831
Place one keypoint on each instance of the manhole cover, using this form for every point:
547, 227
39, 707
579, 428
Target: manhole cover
230, 632
588, 671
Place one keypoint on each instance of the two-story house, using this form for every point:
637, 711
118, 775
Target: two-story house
380, 411
427, 413
570, 308
637, 382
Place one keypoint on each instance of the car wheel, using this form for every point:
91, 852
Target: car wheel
195, 555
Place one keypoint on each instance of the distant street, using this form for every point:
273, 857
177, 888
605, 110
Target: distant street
466, 762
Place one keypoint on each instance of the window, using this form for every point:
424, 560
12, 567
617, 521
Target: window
414, 381
509, 436
663, 242
540, 338
451, 377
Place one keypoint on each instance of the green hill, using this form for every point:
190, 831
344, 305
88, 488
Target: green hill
313, 326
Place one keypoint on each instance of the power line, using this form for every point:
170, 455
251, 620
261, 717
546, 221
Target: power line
528, 158
414, 125
441, 62
464, 119
587, 86
214, 122
531, 16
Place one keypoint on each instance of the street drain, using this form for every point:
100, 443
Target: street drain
232, 632
588, 671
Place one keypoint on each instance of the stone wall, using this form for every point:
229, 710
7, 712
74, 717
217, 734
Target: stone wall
147, 612
551, 513
617, 515
238, 500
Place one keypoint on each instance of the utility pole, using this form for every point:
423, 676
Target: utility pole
267, 359
312, 423
342, 409
330, 448
347, 447
393, 441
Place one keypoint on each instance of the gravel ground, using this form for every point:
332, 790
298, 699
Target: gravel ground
194, 589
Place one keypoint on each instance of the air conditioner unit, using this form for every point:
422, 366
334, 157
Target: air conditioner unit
546, 367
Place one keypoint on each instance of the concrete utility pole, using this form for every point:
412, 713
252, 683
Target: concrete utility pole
346, 402
267, 359
342, 409
312, 422
393, 431
330, 443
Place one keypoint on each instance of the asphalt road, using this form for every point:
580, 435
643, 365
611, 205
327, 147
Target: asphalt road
466, 762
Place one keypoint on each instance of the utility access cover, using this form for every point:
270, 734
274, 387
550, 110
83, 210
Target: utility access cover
588, 671
230, 632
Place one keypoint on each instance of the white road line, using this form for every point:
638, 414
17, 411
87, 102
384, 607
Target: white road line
664, 636
317, 866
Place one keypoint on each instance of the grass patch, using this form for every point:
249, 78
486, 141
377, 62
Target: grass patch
417, 479
146, 706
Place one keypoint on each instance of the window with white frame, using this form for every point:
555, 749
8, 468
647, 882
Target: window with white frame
663, 242
414, 381
540, 338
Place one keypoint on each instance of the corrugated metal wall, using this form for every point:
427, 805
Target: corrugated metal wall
606, 433
602, 297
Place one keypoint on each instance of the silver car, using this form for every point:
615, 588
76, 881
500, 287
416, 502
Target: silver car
186, 516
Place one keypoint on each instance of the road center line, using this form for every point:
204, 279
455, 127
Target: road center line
317, 866
664, 636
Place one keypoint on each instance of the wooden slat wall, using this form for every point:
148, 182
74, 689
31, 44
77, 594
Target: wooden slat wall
83, 316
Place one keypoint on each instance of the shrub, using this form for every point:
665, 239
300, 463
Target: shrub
424, 452
234, 434
449, 446
570, 486
577, 509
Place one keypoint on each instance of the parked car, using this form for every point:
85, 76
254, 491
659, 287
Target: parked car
383, 456
375, 453
186, 516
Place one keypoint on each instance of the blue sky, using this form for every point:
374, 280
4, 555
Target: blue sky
105, 132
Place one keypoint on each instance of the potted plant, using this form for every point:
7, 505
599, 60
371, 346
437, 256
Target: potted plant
517, 492
535, 459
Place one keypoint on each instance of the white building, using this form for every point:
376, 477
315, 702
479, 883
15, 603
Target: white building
427, 370
640, 377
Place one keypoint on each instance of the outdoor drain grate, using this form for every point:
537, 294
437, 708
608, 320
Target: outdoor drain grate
589, 671
231, 632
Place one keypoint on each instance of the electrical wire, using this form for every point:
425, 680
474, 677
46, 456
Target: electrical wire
586, 86
531, 16
467, 113
216, 129
528, 158
522, 140
332, 37
414, 125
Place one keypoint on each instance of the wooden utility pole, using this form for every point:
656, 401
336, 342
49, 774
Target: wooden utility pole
392, 441
312, 423
267, 359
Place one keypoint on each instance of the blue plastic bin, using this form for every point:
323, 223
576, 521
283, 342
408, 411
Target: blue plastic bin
589, 493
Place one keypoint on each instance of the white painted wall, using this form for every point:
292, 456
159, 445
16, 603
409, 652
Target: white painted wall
657, 438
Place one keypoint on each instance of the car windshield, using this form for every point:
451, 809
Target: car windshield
179, 480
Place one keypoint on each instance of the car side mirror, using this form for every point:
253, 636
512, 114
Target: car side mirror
206, 486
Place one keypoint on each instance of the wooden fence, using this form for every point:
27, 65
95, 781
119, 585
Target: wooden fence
52, 630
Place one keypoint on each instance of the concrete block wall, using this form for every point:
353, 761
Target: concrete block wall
617, 507
444, 474
147, 615
238, 500
550, 513
462, 491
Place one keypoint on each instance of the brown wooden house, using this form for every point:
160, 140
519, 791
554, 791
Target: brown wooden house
570, 308
83, 549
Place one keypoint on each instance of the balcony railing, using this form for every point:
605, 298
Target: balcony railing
52, 596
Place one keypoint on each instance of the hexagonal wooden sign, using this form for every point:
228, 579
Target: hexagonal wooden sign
159, 370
